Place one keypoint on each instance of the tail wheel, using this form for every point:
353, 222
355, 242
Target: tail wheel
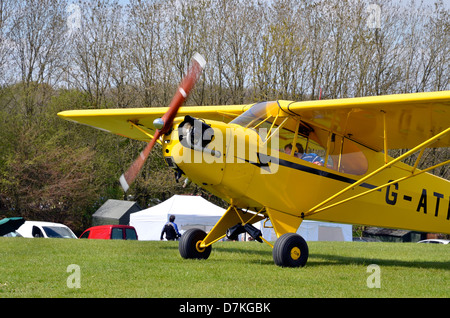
290, 250
189, 245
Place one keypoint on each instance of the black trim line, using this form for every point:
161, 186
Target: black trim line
322, 173
297, 166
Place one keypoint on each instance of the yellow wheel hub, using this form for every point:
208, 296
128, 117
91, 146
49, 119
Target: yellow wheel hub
199, 248
295, 253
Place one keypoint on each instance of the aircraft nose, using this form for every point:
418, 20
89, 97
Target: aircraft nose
196, 150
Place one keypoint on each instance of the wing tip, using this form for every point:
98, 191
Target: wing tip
62, 114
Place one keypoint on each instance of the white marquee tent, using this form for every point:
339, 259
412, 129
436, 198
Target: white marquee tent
317, 231
196, 212
189, 211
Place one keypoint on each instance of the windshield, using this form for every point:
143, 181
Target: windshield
256, 114
58, 232
311, 143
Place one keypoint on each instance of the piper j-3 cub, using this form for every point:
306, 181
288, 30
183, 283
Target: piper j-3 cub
285, 162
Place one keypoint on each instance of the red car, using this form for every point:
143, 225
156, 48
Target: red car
110, 232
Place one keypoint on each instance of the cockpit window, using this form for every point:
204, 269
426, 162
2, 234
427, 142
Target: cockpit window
310, 142
256, 114
344, 155
347, 157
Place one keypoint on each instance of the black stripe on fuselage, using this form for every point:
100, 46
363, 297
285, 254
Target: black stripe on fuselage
300, 167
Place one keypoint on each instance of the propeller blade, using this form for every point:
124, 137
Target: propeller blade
127, 178
188, 82
164, 123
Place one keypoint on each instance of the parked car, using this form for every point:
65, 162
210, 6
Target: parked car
45, 229
110, 232
12, 234
435, 241
9, 226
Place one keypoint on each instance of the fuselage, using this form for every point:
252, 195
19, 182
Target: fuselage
251, 168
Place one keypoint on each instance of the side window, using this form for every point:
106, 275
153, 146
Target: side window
296, 150
293, 138
130, 234
304, 144
324, 149
85, 235
347, 156
314, 152
116, 234
36, 232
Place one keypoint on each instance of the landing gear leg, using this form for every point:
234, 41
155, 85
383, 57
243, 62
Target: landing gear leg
290, 250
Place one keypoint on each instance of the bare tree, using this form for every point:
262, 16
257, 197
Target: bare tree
435, 59
37, 32
6, 13
122, 71
144, 31
94, 47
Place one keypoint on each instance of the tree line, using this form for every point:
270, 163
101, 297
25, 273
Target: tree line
59, 54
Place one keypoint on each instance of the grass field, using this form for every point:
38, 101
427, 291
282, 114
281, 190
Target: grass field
38, 268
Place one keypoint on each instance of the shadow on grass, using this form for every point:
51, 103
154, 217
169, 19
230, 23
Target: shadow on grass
316, 259
333, 260
329, 259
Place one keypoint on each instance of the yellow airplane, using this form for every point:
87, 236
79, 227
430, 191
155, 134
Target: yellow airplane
285, 162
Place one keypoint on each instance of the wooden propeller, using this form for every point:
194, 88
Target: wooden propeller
164, 123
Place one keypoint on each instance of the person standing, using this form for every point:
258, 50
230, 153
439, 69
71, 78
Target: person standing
170, 229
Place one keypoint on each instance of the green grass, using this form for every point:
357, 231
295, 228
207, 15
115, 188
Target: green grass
38, 268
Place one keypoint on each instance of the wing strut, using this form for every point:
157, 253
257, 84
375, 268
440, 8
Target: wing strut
144, 132
321, 206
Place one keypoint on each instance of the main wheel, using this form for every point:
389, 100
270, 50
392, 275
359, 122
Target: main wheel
290, 250
189, 245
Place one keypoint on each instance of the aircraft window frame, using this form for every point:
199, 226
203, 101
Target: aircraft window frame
347, 158
266, 133
279, 127
257, 112
308, 146
262, 113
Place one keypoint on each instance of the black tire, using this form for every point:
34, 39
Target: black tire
290, 250
189, 245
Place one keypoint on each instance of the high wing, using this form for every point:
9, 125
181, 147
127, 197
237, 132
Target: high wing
137, 123
403, 120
